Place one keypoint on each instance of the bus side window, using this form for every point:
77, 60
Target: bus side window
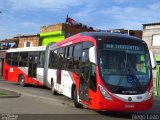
15, 58
50, 58
41, 59
23, 59
8, 58
65, 57
77, 57
70, 58
60, 58
53, 59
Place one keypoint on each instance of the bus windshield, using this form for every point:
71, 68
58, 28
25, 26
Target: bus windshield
125, 69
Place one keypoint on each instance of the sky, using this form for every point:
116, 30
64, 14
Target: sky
25, 17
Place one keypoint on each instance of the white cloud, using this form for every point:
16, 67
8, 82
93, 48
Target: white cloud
131, 17
12, 28
51, 5
103, 14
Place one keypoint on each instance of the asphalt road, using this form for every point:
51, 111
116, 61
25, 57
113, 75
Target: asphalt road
38, 103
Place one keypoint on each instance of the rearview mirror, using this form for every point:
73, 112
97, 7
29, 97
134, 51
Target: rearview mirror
153, 59
92, 55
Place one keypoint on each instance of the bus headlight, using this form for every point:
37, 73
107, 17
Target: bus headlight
149, 94
104, 93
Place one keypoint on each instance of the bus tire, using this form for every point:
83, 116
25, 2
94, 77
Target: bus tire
53, 91
76, 103
21, 80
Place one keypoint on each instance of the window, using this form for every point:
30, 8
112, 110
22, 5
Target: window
66, 56
156, 40
85, 52
27, 44
61, 57
77, 57
71, 51
15, 58
87, 45
85, 56
41, 59
53, 59
69, 57
23, 59
77, 50
8, 58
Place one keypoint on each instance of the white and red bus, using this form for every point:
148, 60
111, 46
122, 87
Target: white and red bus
103, 71
24, 65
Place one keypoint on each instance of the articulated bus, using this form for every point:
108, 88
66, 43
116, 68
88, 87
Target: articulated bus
103, 71
24, 65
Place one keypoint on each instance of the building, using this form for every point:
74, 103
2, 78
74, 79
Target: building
28, 40
20, 41
51, 33
136, 33
5, 45
151, 34
58, 32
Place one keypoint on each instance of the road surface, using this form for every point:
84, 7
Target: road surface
37, 102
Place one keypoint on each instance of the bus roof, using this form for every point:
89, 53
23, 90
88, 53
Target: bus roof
39, 48
108, 34
96, 36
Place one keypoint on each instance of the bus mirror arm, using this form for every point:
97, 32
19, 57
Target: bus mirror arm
92, 55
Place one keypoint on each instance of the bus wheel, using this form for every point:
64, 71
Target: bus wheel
21, 80
53, 91
76, 104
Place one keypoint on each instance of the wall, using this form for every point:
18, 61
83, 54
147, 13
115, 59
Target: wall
148, 32
34, 39
58, 32
51, 37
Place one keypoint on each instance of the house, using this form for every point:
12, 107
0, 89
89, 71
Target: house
136, 33
28, 40
151, 34
60, 31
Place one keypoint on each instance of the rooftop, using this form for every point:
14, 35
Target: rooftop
149, 24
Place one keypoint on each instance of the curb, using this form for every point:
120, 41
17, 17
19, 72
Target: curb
9, 93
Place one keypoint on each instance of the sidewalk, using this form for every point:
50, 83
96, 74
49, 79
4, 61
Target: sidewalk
8, 94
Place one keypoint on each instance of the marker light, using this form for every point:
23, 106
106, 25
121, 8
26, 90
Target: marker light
149, 94
104, 93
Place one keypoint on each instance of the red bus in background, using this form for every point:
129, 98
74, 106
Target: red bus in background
103, 71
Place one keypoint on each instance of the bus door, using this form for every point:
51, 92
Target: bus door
32, 69
84, 76
60, 64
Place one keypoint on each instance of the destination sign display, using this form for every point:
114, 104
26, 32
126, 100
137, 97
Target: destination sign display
122, 47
